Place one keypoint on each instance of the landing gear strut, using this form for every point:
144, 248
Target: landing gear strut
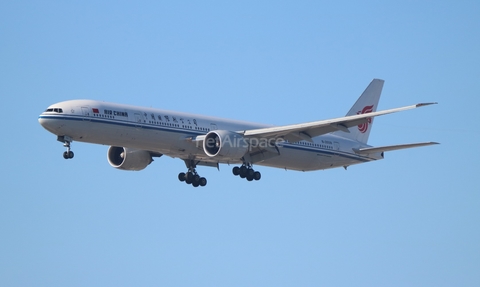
246, 171
192, 177
68, 154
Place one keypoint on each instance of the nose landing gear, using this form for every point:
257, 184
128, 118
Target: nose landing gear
68, 154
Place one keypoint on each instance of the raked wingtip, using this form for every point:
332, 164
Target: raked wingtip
426, 104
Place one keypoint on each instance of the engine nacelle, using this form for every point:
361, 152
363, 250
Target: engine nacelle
127, 158
225, 144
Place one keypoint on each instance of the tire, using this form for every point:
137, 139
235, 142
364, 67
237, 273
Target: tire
243, 171
203, 181
196, 178
236, 170
257, 175
189, 177
181, 176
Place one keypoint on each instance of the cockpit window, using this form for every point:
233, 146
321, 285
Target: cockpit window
55, 110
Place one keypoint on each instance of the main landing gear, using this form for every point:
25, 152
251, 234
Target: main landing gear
68, 154
246, 171
192, 177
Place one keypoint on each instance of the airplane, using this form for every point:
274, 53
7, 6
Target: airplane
136, 135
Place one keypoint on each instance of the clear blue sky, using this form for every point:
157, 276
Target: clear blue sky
409, 220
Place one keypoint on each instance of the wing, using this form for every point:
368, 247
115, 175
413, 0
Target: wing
307, 131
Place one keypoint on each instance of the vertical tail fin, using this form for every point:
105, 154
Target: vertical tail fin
366, 103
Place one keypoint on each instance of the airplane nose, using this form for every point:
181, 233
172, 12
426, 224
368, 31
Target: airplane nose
43, 122
50, 125
52, 118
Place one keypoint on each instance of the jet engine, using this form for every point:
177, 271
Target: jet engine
127, 158
225, 144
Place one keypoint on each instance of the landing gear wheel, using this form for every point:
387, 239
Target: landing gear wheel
243, 171
203, 181
181, 176
68, 154
196, 178
189, 177
236, 170
257, 175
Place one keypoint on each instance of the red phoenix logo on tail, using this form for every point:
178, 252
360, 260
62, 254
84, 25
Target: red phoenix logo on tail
364, 127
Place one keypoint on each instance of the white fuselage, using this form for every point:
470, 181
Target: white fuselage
172, 133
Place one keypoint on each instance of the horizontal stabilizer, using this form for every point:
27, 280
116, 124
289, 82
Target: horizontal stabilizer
370, 150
